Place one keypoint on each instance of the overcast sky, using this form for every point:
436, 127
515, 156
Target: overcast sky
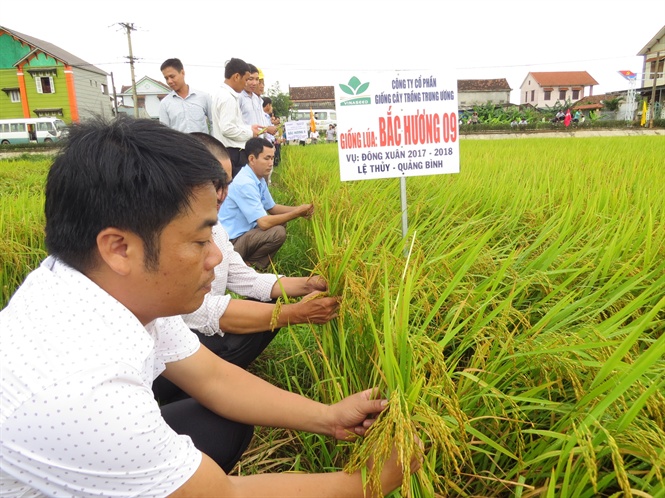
303, 43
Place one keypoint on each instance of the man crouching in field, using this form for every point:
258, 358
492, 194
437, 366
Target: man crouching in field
129, 211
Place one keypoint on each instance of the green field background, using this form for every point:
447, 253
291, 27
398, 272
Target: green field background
517, 329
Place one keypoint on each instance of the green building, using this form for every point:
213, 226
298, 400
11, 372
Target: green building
39, 79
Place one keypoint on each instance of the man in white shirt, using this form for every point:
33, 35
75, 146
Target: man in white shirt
83, 338
238, 330
228, 125
183, 109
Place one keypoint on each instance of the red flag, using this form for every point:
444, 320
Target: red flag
629, 75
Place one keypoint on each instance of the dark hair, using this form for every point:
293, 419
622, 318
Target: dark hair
266, 101
217, 149
235, 66
253, 69
174, 63
133, 174
254, 146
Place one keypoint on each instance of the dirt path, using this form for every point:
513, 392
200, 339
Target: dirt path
476, 136
564, 134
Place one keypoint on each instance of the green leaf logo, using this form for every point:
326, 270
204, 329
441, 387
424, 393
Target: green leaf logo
354, 87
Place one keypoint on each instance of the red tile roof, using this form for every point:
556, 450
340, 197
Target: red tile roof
560, 78
495, 85
311, 93
594, 101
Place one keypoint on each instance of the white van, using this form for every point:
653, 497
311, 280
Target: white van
35, 130
323, 117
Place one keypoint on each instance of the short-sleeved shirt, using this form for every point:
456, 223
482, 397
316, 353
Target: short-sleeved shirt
77, 413
232, 274
193, 113
248, 200
247, 107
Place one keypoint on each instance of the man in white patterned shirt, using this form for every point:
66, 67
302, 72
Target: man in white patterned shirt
129, 243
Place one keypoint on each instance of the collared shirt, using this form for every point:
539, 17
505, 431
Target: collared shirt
232, 274
248, 200
268, 122
245, 101
251, 106
227, 124
77, 412
193, 113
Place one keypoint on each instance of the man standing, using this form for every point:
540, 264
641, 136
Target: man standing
183, 109
227, 125
129, 243
254, 222
248, 99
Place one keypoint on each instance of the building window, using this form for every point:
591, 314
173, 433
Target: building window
15, 95
576, 94
533, 95
659, 70
44, 84
105, 89
526, 96
548, 95
562, 95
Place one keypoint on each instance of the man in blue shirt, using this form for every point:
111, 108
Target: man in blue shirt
254, 222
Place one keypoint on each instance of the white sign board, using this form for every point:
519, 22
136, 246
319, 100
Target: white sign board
396, 124
296, 130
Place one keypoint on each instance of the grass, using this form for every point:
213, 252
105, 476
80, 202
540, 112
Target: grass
521, 338
21, 219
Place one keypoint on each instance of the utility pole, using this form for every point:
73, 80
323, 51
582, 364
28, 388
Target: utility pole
129, 27
115, 96
654, 75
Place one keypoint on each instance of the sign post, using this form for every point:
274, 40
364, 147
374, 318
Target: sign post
395, 124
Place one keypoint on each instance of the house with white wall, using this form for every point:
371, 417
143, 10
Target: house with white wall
149, 92
471, 93
653, 71
544, 89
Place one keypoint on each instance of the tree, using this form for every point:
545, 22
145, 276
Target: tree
281, 102
612, 104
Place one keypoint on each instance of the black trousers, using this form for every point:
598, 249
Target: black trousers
221, 439
238, 159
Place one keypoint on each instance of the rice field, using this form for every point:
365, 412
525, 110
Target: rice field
521, 338
517, 329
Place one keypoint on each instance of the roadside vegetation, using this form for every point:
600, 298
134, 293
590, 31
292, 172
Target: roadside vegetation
495, 118
518, 329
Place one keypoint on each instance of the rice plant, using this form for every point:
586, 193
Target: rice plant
522, 339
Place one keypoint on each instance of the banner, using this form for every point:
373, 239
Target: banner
397, 123
296, 130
